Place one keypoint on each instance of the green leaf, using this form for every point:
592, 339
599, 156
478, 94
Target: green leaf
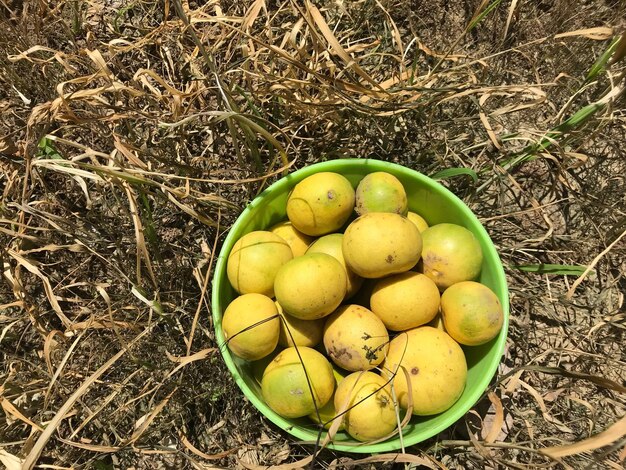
452, 172
559, 269
46, 149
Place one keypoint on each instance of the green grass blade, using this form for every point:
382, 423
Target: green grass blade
480, 16
600, 64
452, 172
558, 269
573, 122
248, 123
149, 228
576, 120
255, 110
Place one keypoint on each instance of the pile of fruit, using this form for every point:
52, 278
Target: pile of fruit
354, 306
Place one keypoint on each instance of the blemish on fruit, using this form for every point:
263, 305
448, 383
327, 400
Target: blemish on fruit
415, 371
339, 352
383, 401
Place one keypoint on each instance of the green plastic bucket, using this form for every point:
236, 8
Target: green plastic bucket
436, 204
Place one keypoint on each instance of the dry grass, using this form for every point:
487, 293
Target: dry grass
133, 133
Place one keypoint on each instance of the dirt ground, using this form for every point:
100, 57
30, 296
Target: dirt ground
132, 135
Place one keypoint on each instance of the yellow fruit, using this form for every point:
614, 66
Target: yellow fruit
418, 220
285, 387
332, 245
298, 241
294, 331
378, 244
310, 286
328, 413
355, 338
320, 203
254, 261
435, 364
247, 327
404, 301
371, 411
451, 254
380, 192
472, 313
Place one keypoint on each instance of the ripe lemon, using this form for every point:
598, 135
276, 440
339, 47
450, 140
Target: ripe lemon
288, 380
247, 326
371, 412
451, 254
472, 314
320, 203
254, 261
378, 244
418, 220
406, 300
355, 338
294, 331
436, 368
331, 244
310, 286
381, 192
298, 241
